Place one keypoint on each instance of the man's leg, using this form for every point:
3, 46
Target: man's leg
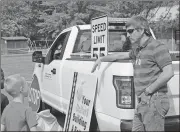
154, 119
137, 122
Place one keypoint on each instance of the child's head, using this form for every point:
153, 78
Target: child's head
16, 85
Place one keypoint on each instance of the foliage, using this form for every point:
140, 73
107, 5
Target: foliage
18, 18
45, 19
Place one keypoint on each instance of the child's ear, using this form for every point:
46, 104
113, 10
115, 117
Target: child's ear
21, 89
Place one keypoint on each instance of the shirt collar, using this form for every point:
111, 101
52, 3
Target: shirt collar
145, 43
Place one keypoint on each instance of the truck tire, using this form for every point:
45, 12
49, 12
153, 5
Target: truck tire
41, 107
94, 124
44, 106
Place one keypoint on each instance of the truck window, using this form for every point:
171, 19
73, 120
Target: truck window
118, 42
83, 42
56, 52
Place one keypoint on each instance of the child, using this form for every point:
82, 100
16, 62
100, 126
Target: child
16, 116
4, 99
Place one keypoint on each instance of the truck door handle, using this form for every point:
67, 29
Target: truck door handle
53, 71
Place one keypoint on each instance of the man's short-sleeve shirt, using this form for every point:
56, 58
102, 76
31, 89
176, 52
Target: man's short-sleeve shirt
148, 62
17, 117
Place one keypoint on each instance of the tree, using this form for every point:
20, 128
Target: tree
46, 19
63, 14
18, 18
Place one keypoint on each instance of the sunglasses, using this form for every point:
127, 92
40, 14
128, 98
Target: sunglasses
130, 31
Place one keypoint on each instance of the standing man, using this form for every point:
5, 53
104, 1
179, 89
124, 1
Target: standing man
152, 70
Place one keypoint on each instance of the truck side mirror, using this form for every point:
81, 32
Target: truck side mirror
37, 57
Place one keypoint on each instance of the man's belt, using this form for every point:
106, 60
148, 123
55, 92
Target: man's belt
158, 93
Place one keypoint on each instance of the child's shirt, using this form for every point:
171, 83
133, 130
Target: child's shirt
17, 117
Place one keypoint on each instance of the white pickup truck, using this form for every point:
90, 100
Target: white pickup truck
115, 98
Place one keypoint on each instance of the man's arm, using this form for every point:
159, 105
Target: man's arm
164, 77
2, 127
110, 58
164, 61
114, 57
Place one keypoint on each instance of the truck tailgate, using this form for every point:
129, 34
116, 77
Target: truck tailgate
173, 91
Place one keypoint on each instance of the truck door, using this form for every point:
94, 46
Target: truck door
51, 72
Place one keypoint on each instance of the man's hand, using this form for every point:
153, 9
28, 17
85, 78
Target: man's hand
148, 91
97, 63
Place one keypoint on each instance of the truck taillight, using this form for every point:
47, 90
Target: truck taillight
124, 86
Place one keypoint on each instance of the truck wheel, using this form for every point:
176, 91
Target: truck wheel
44, 106
94, 124
40, 108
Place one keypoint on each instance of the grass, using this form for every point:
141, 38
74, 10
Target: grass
17, 64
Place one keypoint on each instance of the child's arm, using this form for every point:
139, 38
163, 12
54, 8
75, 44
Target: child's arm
31, 119
2, 127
